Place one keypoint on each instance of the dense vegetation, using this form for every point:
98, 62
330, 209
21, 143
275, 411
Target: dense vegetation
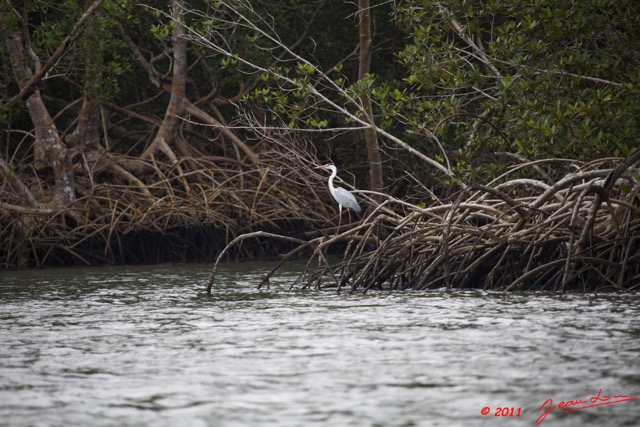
161, 130
541, 78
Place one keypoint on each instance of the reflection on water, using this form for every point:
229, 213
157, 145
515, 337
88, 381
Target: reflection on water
144, 346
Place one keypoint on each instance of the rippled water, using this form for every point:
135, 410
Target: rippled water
144, 346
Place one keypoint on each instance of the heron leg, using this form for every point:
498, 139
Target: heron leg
339, 217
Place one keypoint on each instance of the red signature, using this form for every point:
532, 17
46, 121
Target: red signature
578, 405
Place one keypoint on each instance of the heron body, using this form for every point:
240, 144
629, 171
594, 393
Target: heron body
344, 198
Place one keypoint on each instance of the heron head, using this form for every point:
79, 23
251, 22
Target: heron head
331, 168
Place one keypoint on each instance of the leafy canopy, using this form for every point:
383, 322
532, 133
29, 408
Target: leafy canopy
539, 77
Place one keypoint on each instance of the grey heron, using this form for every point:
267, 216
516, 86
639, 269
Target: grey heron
343, 197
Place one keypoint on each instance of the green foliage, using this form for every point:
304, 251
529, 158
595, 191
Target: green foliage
542, 78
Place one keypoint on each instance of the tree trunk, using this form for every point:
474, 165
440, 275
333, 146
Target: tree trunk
86, 135
370, 136
168, 131
87, 131
169, 127
48, 145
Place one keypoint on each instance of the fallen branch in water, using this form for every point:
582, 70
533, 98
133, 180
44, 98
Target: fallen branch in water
240, 238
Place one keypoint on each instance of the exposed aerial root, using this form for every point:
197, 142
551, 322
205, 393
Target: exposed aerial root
580, 233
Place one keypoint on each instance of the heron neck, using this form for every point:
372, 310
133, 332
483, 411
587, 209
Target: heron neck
331, 186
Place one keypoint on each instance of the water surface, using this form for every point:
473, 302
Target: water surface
136, 346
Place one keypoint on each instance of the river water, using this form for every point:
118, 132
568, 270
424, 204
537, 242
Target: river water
144, 346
